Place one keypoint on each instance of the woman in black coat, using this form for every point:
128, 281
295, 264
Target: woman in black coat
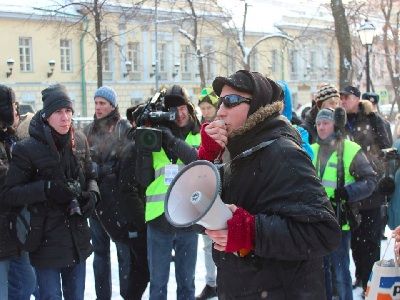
49, 174
283, 223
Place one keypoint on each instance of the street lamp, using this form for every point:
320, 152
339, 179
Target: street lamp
366, 33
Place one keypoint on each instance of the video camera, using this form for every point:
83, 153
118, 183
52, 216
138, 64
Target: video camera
154, 114
389, 154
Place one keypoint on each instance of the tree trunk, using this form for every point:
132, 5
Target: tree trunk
344, 43
99, 43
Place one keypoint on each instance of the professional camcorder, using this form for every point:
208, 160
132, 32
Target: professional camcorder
386, 184
389, 154
154, 115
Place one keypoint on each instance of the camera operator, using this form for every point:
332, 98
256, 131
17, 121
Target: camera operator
155, 170
347, 177
17, 277
107, 137
49, 172
367, 129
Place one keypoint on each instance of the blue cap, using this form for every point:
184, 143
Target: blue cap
107, 93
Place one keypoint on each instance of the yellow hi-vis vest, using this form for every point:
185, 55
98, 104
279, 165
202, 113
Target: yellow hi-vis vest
156, 191
329, 178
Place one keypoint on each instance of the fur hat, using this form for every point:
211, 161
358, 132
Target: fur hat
7, 98
175, 96
55, 97
107, 93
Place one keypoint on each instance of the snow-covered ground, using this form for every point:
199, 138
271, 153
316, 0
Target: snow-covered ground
200, 273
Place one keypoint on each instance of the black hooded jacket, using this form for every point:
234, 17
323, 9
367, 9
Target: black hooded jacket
61, 240
295, 224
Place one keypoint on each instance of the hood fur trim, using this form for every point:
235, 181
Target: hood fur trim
258, 116
366, 106
23, 127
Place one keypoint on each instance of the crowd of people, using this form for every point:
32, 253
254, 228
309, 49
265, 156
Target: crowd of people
303, 191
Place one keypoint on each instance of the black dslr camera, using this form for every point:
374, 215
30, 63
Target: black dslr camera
154, 114
73, 207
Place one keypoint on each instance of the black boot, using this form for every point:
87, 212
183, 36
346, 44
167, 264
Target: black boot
207, 293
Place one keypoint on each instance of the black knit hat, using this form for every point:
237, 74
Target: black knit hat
264, 90
7, 98
55, 97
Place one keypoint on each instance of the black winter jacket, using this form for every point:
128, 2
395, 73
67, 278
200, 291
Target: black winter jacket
295, 223
62, 240
122, 207
368, 129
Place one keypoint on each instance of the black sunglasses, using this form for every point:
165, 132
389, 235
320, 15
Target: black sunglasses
232, 100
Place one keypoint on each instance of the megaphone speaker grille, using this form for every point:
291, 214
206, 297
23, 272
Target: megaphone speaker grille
193, 197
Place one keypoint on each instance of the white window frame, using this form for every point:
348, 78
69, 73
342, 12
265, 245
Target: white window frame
25, 54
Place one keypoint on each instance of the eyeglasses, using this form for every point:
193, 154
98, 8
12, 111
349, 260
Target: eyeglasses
232, 100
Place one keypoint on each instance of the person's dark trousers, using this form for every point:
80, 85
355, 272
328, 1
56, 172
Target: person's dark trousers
72, 280
366, 243
139, 272
102, 263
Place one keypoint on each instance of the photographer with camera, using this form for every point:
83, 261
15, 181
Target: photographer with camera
347, 177
114, 218
366, 128
17, 277
50, 174
155, 171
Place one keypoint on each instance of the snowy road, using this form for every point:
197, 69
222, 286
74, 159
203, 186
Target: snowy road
200, 273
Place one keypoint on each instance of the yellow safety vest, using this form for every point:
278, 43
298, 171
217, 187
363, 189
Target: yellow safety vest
329, 178
156, 191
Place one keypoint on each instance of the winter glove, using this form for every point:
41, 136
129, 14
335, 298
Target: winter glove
168, 137
209, 149
58, 191
89, 200
342, 193
241, 232
386, 186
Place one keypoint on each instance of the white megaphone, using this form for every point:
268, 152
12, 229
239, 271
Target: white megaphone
193, 198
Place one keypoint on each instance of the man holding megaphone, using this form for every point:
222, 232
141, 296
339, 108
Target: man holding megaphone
282, 223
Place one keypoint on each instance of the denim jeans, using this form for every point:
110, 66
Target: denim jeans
72, 280
339, 261
208, 261
102, 263
159, 248
17, 278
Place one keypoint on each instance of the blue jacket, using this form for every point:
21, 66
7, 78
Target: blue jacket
287, 112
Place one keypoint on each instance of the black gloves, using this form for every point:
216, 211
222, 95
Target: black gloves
342, 193
88, 200
168, 137
59, 192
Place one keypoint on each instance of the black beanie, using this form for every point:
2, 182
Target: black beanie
7, 97
264, 90
55, 97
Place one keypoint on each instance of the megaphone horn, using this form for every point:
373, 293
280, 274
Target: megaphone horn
193, 198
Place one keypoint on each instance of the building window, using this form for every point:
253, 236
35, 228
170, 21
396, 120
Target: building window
294, 61
162, 59
313, 61
25, 54
65, 55
254, 60
274, 61
133, 55
106, 57
209, 63
185, 58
